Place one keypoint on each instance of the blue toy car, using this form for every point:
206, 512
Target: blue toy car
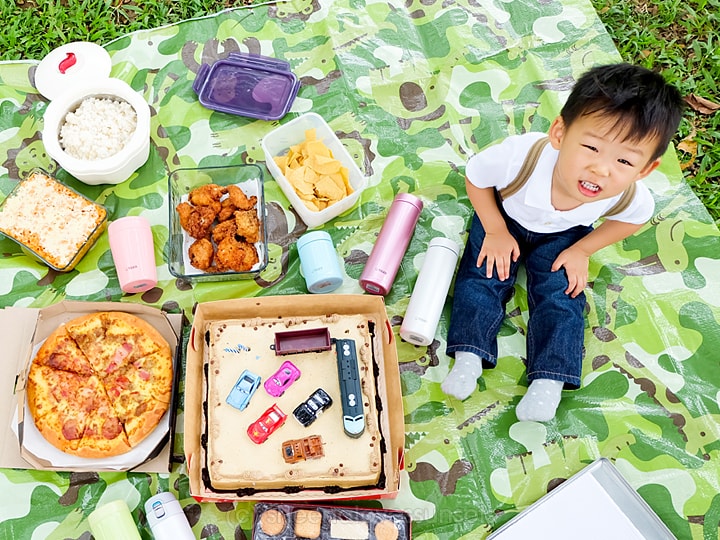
243, 390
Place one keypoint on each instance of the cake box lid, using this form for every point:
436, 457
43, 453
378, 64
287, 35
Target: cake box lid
72, 65
247, 85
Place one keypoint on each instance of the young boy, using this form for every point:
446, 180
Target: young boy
611, 132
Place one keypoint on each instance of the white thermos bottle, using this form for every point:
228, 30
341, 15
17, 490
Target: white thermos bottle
430, 291
166, 518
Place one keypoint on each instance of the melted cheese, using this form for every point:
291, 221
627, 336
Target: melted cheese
50, 219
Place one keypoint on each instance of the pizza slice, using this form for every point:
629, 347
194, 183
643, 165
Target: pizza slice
88, 332
151, 376
140, 414
104, 433
112, 339
61, 402
60, 351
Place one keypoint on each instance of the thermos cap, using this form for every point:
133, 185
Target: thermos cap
166, 518
441, 241
313, 236
409, 198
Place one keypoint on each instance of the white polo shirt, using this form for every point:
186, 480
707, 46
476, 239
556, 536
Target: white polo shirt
497, 165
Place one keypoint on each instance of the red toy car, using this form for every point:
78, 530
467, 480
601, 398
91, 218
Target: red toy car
264, 426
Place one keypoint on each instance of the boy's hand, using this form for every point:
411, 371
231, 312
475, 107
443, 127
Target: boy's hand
575, 261
499, 249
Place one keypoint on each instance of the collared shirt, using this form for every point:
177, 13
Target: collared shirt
499, 164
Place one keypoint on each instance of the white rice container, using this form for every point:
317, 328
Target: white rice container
69, 75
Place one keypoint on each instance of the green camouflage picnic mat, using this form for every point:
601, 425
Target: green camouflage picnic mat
412, 89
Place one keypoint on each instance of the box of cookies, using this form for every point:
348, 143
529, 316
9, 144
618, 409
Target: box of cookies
296, 400
91, 387
288, 521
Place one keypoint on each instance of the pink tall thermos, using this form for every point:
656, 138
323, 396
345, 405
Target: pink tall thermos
392, 242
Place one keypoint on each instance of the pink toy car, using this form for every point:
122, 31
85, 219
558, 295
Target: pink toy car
277, 383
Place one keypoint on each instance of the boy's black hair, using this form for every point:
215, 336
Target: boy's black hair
641, 101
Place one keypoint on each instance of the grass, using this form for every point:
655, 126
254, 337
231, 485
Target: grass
677, 37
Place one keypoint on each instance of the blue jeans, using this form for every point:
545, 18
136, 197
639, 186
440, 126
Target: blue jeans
556, 327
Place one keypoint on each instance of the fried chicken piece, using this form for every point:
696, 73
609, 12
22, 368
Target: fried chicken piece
227, 209
239, 199
235, 255
207, 195
201, 253
248, 225
196, 220
223, 230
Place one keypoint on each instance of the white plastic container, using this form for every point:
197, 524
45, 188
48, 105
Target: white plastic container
428, 297
69, 75
277, 143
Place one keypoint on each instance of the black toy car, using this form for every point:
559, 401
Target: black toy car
308, 411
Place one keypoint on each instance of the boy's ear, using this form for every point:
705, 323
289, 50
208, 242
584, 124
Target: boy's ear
556, 132
650, 167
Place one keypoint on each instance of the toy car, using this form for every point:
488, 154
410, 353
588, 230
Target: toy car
282, 378
243, 390
263, 427
301, 449
307, 412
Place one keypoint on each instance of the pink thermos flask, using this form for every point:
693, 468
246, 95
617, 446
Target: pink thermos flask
382, 266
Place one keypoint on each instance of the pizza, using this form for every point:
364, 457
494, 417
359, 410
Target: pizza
100, 384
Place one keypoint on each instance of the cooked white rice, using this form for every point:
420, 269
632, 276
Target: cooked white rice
98, 128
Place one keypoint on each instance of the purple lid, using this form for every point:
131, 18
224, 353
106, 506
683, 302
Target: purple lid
247, 87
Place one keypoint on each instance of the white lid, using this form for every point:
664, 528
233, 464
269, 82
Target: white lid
441, 241
71, 66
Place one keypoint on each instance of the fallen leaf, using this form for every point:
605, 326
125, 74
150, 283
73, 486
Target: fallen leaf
701, 105
689, 148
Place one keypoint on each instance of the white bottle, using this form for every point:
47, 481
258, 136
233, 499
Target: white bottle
430, 291
166, 518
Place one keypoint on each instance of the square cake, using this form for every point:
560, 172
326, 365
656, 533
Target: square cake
234, 462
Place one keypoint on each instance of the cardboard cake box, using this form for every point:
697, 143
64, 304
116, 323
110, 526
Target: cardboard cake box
232, 337
22, 447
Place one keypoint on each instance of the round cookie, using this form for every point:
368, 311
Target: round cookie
272, 522
386, 530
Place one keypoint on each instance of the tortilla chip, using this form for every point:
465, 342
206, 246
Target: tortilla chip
317, 177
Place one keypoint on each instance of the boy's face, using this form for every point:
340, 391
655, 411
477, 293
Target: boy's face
595, 162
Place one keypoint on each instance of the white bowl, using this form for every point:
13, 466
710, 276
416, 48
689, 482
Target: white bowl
113, 169
279, 141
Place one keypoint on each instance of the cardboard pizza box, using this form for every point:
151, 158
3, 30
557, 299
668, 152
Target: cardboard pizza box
23, 330
387, 378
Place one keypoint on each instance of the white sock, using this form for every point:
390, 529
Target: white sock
462, 379
540, 402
